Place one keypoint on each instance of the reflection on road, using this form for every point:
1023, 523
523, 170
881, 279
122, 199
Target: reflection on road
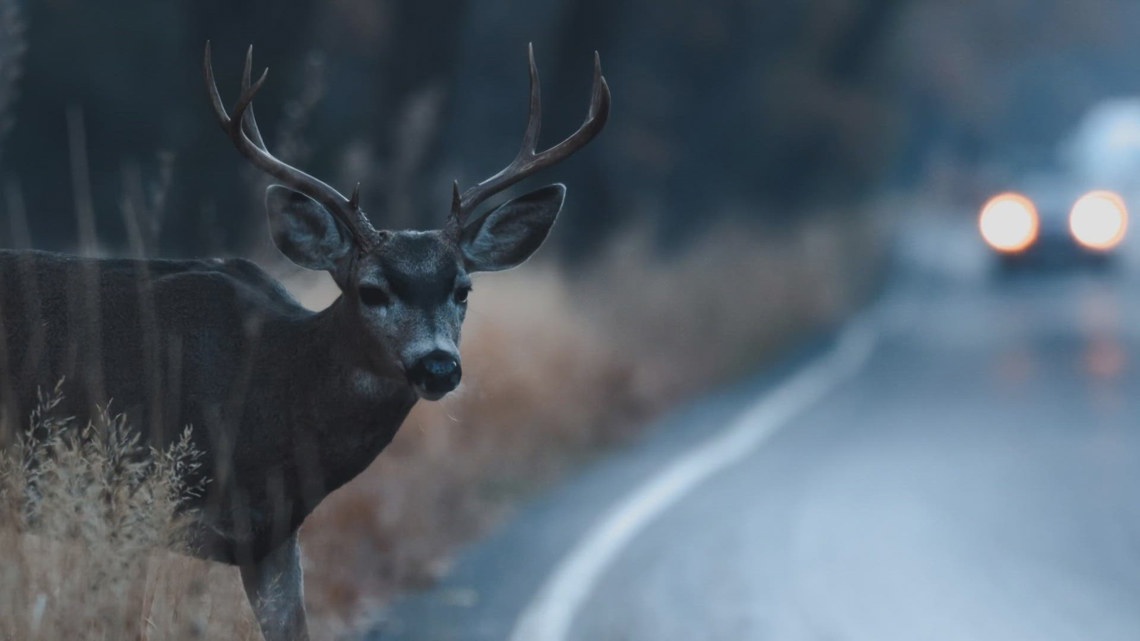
1104, 357
976, 481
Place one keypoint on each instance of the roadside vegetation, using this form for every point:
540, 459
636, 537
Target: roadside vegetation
802, 106
559, 368
90, 527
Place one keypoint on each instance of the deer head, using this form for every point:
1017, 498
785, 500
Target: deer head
405, 292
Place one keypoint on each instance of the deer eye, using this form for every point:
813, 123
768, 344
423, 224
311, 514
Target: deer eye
373, 296
462, 293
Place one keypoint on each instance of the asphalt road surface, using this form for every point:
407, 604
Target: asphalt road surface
961, 463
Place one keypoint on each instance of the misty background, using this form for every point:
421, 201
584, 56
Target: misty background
760, 158
760, 109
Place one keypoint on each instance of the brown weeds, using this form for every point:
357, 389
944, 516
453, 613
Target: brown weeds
85, 512
558, 367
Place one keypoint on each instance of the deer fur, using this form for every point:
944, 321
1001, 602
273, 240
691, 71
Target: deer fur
288, 404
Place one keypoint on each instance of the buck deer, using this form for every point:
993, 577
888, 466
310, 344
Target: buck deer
288, 404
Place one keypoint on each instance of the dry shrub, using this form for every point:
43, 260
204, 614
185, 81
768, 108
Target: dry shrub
85, 512
717, 309
556, 367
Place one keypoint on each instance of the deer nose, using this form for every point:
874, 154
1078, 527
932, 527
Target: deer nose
436, 374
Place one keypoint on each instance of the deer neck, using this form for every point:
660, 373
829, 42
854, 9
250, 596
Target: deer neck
351, 371
341, 408
361, 396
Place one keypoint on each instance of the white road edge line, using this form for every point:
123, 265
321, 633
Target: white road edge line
549, 615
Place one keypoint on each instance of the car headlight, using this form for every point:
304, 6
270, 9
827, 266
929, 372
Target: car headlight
1099, 220
1009, 223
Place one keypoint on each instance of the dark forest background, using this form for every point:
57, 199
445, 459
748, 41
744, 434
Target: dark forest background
762, 109
756, 155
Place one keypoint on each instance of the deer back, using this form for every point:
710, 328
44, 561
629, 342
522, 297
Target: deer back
216, 345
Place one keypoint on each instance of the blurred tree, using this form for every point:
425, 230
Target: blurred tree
131, 70
1002, 81
753, 108
762, 109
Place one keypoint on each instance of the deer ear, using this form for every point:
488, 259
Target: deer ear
513, 231
304, 230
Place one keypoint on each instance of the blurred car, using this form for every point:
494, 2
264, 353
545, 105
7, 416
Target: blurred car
1049, 222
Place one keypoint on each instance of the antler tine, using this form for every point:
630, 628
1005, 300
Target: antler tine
250, 121
354, 199
528, 161
596, 117
534, 117
254, 149
212, 89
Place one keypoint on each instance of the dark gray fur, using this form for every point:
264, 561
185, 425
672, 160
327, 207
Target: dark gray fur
288, 404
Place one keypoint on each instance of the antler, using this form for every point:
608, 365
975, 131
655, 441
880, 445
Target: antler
528, 161
241, 127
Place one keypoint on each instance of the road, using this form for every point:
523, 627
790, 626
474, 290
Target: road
962, 463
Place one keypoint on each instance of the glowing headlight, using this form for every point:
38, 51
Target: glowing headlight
1099, 220
1009, 223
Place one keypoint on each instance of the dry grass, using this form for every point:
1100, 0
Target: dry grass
85, 514
716, 310
556, 368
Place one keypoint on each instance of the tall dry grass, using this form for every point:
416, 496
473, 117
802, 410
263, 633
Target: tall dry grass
88, 517
557, 367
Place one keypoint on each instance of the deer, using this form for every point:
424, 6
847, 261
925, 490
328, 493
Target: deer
288, 404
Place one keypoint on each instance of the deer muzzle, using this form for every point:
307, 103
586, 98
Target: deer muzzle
436, 374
